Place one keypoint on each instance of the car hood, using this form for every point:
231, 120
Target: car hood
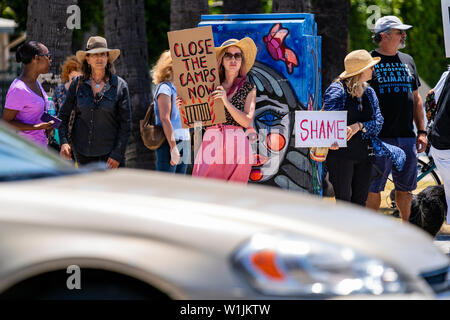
209, 215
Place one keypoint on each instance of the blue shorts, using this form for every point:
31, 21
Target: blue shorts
405, 180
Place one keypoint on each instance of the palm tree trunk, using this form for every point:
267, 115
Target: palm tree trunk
291, 6
186, 14
241, 6
46, 23
125, 30
332, 18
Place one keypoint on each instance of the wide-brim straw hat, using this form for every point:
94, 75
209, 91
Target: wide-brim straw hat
97, 45
357, 62
247, 47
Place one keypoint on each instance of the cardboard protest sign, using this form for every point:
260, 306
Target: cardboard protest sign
320, 128
196, 75
446, 23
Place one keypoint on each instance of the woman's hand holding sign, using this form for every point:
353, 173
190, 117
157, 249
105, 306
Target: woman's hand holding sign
220, 93
334, 146
179, 102
352, 130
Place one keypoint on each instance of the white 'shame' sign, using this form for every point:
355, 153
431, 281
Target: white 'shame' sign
320, 128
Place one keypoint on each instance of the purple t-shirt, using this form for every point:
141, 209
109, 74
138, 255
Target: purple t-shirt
30, 107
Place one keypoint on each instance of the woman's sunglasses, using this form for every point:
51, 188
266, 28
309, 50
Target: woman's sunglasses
237, 55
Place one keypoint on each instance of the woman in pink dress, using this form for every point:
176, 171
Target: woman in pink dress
226, 152
26, 100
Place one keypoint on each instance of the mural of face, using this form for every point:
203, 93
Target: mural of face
278, 161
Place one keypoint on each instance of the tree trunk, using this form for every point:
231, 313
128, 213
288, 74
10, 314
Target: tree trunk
125, 30
46, 23
241, 6
332, 17
291, 6
186, 14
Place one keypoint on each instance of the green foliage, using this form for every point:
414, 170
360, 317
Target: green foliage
266, 6
215, 7
91, 22
17, 11
157, 28
425, 41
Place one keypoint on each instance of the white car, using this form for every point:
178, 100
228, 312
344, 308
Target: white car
139, 234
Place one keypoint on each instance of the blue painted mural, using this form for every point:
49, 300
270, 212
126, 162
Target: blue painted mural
287, 75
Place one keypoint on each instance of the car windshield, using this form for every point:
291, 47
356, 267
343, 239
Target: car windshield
21, 159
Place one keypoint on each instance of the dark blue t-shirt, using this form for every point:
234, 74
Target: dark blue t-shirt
394, 80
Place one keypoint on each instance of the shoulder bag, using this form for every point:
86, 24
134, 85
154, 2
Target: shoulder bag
153, 135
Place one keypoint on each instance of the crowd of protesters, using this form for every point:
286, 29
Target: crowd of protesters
379, 91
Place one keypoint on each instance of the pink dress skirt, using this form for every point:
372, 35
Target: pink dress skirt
225, 154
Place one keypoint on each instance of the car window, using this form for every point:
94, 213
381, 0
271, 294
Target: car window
20, 158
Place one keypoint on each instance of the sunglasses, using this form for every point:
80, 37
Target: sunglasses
48, 55
237, 55
400, 32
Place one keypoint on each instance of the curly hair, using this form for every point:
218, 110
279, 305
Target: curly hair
71, 64
162, 71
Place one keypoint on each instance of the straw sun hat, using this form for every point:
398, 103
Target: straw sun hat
247, 47
357, 62
97, 45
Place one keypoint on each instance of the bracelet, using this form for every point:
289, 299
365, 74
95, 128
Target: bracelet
421, 132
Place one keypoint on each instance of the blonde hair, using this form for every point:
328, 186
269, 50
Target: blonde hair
355, 87
71, 64
242, 72
162, 71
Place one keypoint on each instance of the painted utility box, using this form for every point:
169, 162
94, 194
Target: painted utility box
287, 75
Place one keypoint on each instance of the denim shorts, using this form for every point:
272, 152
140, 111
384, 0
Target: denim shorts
163, 157
405, 180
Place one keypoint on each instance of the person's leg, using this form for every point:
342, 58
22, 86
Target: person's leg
185, 155
403, 201
380, 171
442, 161
163, 158
405, 181
373, 201
361, 182
340, 172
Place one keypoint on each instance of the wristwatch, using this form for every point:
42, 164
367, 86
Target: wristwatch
362, 128
422, 132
